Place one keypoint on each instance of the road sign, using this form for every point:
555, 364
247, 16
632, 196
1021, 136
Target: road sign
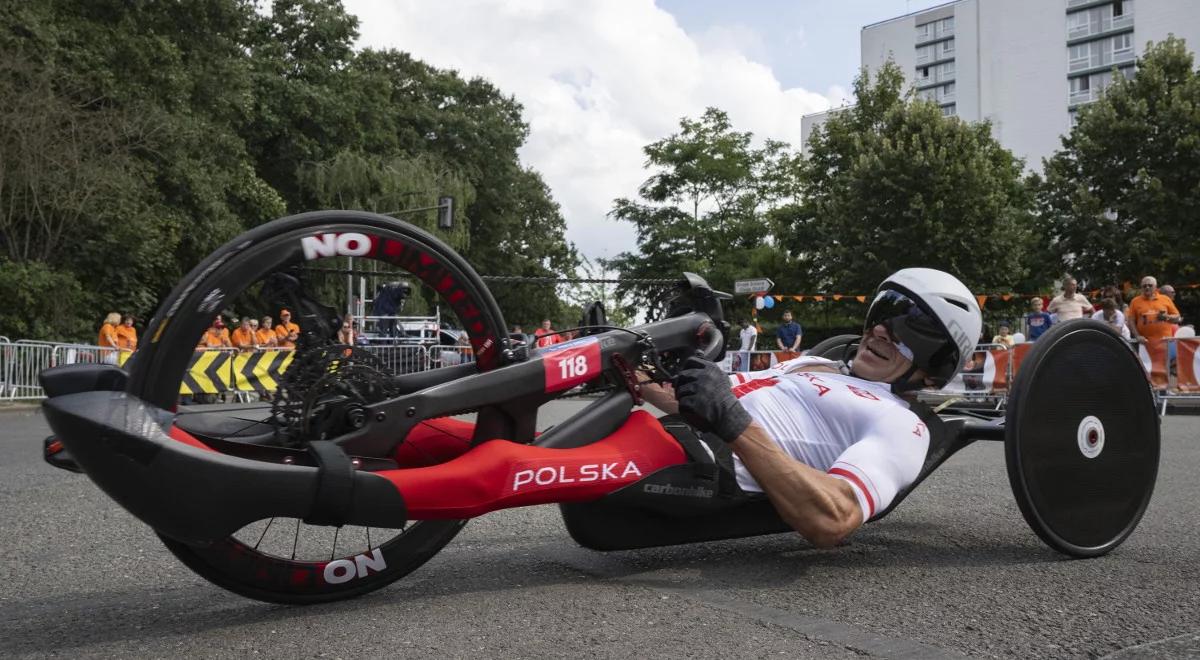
760, 285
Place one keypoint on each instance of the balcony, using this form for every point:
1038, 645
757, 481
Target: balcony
1102, 25
1100, 59
936, 77
1082, 96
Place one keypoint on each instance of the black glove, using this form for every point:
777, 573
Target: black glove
706, 402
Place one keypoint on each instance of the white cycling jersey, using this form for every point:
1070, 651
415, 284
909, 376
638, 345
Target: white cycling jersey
853, 429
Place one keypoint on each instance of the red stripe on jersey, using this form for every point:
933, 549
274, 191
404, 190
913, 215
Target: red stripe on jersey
744, 389
853, 479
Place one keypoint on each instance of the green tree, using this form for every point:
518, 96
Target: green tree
137, 137
702, 210
890, 183
1121, 199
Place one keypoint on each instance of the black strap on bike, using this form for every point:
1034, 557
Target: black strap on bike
333, 498
710, 456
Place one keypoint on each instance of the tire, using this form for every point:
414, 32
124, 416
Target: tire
834, 348
235, 563
1082, 439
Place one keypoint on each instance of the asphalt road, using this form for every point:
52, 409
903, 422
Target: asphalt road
953, 571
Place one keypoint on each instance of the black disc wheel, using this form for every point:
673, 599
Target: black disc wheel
1082, 439
314, 264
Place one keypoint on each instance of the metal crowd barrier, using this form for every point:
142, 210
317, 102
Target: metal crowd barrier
1172, 366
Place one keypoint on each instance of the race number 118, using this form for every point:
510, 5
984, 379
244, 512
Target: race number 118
574, 367
567, 367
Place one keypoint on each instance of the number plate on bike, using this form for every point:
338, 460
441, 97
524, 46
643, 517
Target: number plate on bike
572, 363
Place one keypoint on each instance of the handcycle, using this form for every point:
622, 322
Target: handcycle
365, 474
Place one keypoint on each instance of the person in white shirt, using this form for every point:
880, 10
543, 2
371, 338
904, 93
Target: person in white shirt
1070, 304
748, 336
833, 449
1113, 317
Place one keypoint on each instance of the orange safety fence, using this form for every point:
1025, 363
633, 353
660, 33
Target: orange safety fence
1153, 354
1186, 368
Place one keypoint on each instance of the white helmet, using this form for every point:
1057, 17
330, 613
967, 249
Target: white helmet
933, 315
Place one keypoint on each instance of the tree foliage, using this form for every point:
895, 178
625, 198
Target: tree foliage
703, 208
137, 137
1121, 199
890, 183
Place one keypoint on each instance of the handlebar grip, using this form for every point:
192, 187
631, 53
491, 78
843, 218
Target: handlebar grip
712, 347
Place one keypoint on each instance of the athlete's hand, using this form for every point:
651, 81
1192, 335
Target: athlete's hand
706, 402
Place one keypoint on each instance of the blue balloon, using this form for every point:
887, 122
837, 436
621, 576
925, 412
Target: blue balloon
768, 301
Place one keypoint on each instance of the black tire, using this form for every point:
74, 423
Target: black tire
156, 375
1082, 439
835, 348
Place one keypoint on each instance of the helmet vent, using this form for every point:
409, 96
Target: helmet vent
957, 303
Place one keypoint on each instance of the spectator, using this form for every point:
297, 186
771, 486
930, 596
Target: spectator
1169, 291
463, 346
518, 334
243, 336
345, 334
266, 336
1036, 320
127, 338
286, 332
1113, 291
108, 338
546, 335
748, 337
1070, 304
1112, 316
1151, 314
216, 336
1004, 337
789, 334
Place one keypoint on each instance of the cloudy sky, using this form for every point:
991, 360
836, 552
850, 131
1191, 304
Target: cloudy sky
600, 79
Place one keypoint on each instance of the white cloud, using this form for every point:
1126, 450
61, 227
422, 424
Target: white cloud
599, 80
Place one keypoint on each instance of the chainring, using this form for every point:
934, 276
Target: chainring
324, 391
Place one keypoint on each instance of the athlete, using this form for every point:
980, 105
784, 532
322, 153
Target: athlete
832, 449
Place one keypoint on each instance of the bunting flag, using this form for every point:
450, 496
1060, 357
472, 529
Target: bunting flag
982, 298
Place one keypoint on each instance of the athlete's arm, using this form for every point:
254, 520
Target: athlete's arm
657, 395
821, 508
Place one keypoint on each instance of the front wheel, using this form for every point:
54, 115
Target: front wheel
312, 265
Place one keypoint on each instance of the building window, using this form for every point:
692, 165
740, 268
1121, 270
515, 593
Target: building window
924, 32
947, 48
925, 54
949, 110
1122, 44
1118, 8
945, 93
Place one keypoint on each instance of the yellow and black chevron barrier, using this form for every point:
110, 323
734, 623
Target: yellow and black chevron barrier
213, 372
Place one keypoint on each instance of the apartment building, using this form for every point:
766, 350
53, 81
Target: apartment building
1024, 65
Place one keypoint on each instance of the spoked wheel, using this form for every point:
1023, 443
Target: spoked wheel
292, 263
1082, 439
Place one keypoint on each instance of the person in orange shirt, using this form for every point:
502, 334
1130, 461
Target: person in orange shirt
287, 332
243, 337
108, 338
127, 338
265, 335
216, 336
1151, 314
